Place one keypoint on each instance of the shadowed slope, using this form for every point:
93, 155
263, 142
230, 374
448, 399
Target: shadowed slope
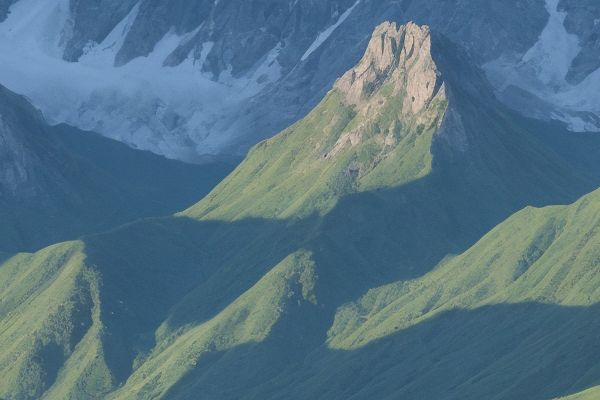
57, 183
515, 316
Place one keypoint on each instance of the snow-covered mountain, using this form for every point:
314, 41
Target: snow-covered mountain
190, 78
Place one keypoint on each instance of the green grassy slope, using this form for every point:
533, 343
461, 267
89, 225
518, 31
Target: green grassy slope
78, 182
547, 256
589, 394
293, 175
342, 259
513, 317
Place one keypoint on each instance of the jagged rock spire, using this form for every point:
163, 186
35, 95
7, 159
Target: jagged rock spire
400, 55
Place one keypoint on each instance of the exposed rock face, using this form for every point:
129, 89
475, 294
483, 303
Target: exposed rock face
19, 123
398, 55
4, 6
15, 162
583, 19
401, 58
92, 21
399, 88
240, 33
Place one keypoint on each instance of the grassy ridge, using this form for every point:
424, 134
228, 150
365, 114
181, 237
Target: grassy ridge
589, 394
293, 175
547, 255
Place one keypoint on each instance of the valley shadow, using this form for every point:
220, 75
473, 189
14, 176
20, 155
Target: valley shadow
179, 272
94, 184
504, 351
149, 267
5, 257
376, 237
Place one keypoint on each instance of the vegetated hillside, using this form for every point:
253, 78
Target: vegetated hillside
57, 183
323, 265
589, 394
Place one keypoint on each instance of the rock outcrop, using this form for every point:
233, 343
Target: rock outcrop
399, 73
583, 19
20, 165
401, 57
15, 162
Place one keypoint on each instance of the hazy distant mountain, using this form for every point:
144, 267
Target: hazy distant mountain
360, 253
57, 183
188, 78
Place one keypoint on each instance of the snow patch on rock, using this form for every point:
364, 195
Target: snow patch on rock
323, 36
542, 71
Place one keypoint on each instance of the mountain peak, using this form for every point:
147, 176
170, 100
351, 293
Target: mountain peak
373, 130
400, 55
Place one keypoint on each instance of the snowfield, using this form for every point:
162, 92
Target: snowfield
180, 111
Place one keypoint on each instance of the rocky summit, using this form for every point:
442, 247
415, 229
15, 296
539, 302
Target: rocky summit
400, 56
